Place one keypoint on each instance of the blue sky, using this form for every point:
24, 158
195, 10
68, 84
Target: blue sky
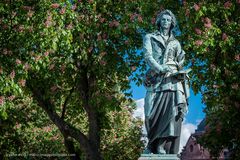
195, 108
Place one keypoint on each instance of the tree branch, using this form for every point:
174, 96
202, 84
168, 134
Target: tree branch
70, 147
65, 128
86, 84
65, 103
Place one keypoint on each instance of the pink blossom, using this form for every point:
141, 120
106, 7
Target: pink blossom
21, 28
196, 7
90, 49
184, 2
26, 66
18, 61
22, 82
237, 57
11, 98
2, 100
47, 129
227, 5
207, 128
103, 63
125, 27
153, 20
198, 42
198, 31
46, 53
126, 42
109, 97
30, 13
216, 86
99, 38
12, 74
219, 128
103, 54
5, 51
114, 24
69, 26
224, 37
208, 25
104, 36
26, 8
90, 1
238, 1
117, 23
14, 14
140, 19
30, 29
1, 70
227, 72
133, 68
49, 18
37, 58
54, 88
207, 20
18, 125
237, 105
74, 7
213, 67
47, 23
5, 26
102, 20
63, 10
63, 67
132, 16
234, 86
227, 21
187, 12
54, 138
51, 66
55, 5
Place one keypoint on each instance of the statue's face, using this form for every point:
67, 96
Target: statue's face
166, 21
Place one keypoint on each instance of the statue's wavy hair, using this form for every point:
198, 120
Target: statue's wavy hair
166, 12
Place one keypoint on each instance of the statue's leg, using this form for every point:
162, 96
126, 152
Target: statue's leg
160, 146
175, 145
176, 140
148, 149
168, 145
148, 105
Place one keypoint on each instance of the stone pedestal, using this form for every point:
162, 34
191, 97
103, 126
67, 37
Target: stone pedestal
159, 157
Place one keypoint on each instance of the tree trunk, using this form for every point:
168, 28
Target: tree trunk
90, 146
70, 148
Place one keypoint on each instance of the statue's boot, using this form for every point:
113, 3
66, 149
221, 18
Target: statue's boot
160, 147
147, 151
160, 150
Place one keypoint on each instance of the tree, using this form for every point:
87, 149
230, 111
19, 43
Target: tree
210, 35
71, 58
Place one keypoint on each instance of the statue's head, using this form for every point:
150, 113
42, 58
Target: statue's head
166, 14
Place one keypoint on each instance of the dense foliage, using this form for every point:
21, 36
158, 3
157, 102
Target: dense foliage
72, 60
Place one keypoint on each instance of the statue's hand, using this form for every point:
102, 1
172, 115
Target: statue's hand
166, 68
179, 115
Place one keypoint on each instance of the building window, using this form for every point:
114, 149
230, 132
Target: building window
191, 148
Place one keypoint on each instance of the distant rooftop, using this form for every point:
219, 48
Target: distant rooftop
201, 126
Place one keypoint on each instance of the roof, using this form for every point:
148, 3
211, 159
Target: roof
201, 126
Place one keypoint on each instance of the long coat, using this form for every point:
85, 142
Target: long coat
165, 93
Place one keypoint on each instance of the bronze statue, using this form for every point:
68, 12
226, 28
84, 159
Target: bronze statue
167, 87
